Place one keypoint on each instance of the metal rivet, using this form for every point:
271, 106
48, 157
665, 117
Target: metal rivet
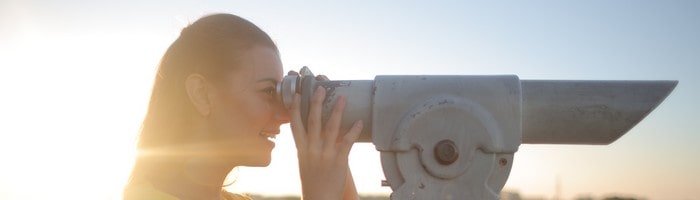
446, 152
503, 162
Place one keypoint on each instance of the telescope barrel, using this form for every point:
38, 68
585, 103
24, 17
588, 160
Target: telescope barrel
586, 112
553, 111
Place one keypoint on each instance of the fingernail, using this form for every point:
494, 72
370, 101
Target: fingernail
319, 89
359, 124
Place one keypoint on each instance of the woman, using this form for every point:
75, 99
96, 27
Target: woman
213, 107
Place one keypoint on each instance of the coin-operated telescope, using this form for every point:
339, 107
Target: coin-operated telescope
453, 137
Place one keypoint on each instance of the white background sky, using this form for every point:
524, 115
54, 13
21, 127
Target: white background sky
76, 78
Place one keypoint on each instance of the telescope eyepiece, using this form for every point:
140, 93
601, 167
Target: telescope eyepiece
290, 85
287, 88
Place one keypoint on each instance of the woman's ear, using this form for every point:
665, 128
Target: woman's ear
198, 92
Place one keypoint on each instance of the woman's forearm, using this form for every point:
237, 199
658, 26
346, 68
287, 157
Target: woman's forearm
350, 192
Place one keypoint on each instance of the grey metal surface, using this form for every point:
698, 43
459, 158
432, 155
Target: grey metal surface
358, 105
586, 112
413, 115
553, 111
484, 119
395, 96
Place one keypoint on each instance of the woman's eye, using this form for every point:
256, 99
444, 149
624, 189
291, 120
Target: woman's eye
270, 90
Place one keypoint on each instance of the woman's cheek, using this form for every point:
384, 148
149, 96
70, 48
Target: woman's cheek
267, 104
257, 110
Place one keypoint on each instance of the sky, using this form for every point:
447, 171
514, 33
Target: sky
76, 78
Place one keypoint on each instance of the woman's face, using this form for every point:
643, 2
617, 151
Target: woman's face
245, 111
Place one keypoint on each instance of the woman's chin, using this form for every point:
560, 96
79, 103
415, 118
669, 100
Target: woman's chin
259, 162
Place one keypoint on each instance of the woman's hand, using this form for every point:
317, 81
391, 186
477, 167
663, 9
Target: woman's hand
323, 156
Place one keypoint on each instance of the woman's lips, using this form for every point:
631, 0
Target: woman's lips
269, 135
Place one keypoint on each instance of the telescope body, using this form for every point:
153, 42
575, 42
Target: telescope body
454, 137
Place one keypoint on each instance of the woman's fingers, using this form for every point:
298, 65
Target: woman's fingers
322, 77
317, 136
332, 126
314, 118
350, 138
296, 123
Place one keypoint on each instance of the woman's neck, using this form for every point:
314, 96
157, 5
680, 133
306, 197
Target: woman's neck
193, 178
